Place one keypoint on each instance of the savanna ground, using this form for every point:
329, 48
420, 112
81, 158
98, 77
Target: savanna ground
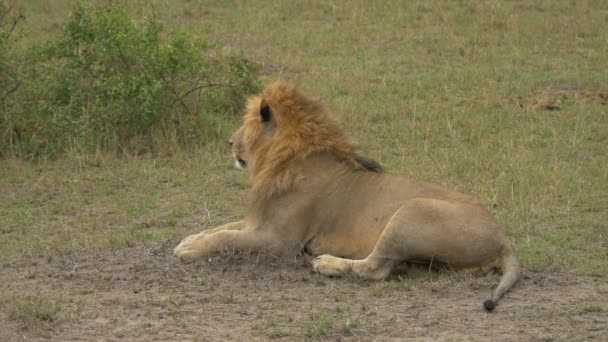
504, 100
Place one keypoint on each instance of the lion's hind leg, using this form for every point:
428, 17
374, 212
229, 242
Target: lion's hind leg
378, 264
397, 244
372, 267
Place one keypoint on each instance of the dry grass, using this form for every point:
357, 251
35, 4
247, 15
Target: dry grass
38, 311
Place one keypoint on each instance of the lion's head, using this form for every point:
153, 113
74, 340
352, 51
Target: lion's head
283, 125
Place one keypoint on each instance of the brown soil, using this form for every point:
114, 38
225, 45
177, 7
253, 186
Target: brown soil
143, 293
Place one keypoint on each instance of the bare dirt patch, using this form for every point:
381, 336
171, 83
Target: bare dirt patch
554, 97
143, 293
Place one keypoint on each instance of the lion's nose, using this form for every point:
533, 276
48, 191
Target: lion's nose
230, 142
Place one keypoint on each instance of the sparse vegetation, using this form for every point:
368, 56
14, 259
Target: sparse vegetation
273, 328
381, 289
31, 311
406, 284
349, 326
592, 308
319, 325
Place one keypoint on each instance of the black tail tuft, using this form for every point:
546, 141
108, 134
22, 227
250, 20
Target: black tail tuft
489, 305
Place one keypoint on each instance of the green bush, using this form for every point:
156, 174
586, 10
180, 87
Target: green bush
109, 83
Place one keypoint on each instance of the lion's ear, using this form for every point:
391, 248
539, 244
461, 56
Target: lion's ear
265, 112
267, 117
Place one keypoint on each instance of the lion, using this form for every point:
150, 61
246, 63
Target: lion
311, 191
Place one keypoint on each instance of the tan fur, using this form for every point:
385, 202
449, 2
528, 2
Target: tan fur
312, 191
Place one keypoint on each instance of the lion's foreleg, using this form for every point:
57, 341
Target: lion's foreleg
238, 225
189, 240
205, 244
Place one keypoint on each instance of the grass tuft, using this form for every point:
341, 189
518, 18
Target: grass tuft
592, 308
32, 311
319, 325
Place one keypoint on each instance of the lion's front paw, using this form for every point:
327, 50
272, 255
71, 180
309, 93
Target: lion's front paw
190, 248
331, 266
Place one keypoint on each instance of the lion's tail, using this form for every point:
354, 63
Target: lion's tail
510, 273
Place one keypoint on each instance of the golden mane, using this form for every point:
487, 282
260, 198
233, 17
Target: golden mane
303, 127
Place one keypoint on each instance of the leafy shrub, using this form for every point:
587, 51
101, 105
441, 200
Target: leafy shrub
109, 83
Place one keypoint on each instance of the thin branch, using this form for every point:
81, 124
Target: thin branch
8, 10
19, 17
176, 94
6, 94
208, 85
15, 21
123, 58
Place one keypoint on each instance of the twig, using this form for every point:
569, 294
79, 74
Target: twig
162, 76
208, 85
19, 17
8, 10
102, 267
13, 25
15, 21
6, 94
123, 58
208, 213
